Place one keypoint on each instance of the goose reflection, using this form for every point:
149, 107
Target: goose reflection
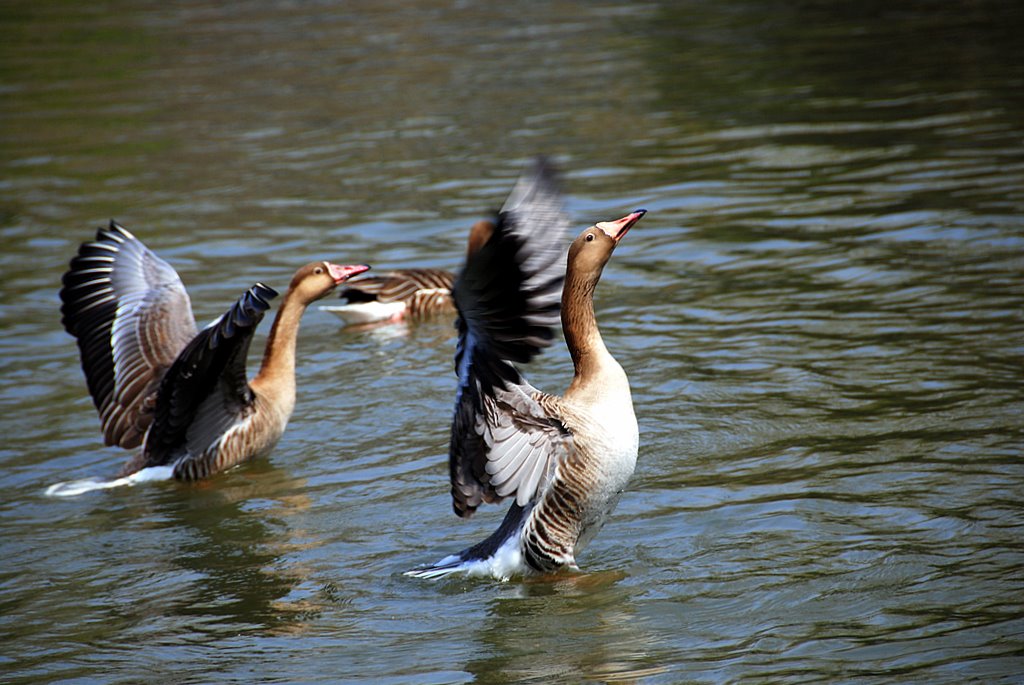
579, 628
235, 537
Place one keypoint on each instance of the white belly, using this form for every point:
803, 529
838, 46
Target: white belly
366, 312
611, 444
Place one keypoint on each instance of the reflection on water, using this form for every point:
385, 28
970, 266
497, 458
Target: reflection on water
579, 627
220, 571
233, 554
821, 317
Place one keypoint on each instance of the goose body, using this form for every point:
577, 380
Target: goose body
395, 295
403, 293
564, 459
179, 394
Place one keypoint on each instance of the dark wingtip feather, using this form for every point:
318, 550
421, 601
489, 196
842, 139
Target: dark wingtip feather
114, 232
510, 288
245, 314
541, 177
263, 292
82, 284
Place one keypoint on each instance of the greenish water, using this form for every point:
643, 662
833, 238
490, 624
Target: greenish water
822, 317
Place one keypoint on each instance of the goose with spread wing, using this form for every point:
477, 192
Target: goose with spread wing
565, 460
158, 382
402, 294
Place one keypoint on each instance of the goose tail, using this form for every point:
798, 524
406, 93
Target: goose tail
500, 556
74, 488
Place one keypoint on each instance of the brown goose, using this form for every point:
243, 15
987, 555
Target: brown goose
158, 382
565, 460
402, 293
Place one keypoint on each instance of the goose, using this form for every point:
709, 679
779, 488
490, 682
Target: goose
402, 294
158, 382
564, 459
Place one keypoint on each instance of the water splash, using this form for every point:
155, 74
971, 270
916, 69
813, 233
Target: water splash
74, 488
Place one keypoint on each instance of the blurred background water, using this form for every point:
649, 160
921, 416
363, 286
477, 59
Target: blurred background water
821, 316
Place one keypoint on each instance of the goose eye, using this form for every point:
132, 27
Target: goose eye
319, 270
590, 237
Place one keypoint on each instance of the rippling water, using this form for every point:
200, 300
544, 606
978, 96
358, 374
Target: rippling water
822, 316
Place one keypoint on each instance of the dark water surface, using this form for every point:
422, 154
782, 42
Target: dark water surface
822, 317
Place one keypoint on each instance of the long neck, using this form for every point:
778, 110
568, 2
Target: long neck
579, 325
277, 372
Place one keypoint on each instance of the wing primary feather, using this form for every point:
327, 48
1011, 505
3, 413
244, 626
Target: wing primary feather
113, 292
508, 298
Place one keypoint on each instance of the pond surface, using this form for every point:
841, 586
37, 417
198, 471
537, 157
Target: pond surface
822, 316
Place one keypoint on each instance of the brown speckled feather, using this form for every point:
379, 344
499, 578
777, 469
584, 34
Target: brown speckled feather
424, 291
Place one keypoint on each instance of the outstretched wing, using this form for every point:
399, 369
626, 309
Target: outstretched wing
503, 443
130, 313
503, 438
206, 390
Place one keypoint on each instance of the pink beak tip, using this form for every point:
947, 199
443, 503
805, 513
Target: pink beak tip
627, 222
633, 217
343, 273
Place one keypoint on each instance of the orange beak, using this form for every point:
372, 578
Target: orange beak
616, 229
340, 274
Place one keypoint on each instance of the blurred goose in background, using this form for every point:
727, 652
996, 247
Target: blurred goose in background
402, 294
565, 460
157, 381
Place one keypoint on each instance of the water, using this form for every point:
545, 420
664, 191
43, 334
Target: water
821, 316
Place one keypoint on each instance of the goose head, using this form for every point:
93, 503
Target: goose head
593, 247
317, 279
